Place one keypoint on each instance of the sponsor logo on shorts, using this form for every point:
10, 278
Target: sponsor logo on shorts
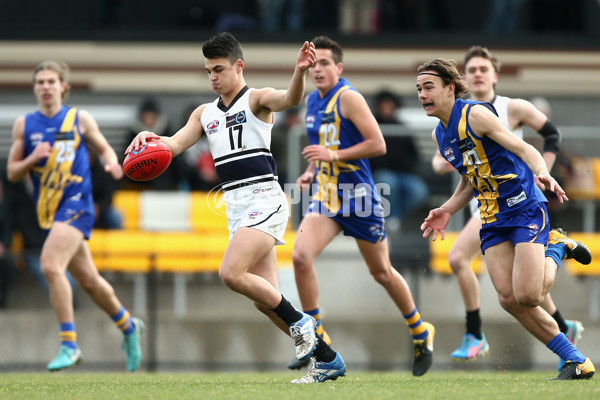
254, 214
375, 230
261, 190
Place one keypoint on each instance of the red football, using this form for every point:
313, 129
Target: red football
148, 162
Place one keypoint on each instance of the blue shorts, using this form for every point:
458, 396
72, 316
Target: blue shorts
77, 212
369, 226
530, 226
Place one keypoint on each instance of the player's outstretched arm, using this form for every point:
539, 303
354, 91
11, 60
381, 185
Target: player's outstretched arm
438, 218
280, 100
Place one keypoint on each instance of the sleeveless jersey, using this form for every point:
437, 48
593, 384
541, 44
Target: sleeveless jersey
502, 182
239, 142
342, 184
65, 175
501, 105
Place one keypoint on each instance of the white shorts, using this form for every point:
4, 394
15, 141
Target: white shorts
261, 206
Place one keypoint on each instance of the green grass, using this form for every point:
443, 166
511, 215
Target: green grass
357, 385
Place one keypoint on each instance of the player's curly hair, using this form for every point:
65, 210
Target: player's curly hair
447, 70
223, 45
61, 68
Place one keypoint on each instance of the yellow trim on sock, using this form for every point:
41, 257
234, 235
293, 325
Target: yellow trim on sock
68, 336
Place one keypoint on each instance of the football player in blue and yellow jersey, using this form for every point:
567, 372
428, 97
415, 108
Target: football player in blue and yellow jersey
498, 169
49, 145
481, 76
343, 134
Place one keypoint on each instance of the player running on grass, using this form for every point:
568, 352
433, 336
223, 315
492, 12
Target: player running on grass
49, 146
496, 168
238, 127
481, 76
343, 134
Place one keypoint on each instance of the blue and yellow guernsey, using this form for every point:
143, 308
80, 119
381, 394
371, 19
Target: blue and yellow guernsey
502, 182
341, 183
66, 173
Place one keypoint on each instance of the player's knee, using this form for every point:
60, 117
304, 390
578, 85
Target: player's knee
49, 270
230, 279
301, 260
456, 260
507, 302
382, 276
529, 299
88, 282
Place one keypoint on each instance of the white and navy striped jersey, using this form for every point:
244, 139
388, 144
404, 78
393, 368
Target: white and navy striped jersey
239, 142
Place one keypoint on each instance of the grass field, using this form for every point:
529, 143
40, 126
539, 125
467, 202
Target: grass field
241, 386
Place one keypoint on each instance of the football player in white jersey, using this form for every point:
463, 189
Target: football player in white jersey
238, 127
481, 76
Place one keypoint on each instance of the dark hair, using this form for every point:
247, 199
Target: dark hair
387, 95
324, 42
61, 68
483, 52
223, 45
447, 70
149, 105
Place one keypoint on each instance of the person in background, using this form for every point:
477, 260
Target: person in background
397, 168
151, 118
49, 145
18, 215
343, 135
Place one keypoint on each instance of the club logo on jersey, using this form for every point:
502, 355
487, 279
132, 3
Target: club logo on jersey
36, 138
310, 121
449, 154
212, 127
238, 118
533, 229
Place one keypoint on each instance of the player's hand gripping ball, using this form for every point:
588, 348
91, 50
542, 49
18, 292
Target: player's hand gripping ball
148, 162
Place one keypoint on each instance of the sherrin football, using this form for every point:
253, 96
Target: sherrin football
148, 162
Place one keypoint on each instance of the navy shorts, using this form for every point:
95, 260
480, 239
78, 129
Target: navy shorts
369, 226
79, 213
529, 226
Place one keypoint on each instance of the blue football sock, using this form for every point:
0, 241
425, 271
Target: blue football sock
557, 252
561, 346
